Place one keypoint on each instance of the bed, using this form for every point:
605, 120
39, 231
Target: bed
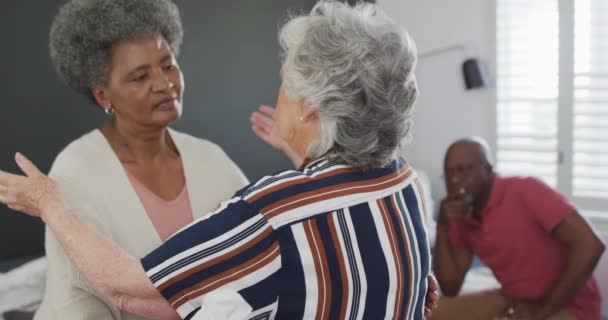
21, 288
22, 265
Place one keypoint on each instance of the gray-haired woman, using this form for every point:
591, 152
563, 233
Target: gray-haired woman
342, 237
133, 180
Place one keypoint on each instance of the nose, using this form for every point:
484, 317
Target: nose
452, 181
162, 83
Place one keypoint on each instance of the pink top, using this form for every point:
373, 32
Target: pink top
515, 241
167, 216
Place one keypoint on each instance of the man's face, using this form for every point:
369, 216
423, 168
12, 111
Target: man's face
466, 171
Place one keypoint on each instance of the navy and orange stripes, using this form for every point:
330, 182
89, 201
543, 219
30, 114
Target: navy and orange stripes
341, 257
324, 242
322, 269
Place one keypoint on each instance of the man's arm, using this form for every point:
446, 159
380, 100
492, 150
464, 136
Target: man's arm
559, 218
584, 251
450, 264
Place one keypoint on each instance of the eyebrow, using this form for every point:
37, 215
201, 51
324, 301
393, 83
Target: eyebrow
147, 66
139, 68
165, 58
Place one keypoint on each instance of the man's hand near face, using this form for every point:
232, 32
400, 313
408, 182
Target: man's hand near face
456, 206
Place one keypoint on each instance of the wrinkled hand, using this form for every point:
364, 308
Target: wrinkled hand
455, 207
432, 296
29, 193
524, 311
264, 125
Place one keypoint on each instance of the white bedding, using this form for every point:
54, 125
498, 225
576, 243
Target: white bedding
479, 279
22, 288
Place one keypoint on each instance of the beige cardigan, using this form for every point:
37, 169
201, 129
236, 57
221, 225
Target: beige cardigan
95, 185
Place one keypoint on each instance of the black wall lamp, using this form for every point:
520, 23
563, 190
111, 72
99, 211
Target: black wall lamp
472, 69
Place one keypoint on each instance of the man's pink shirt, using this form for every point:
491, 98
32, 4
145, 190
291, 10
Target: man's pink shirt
514, 240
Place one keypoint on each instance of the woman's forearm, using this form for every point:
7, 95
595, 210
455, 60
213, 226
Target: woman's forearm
114, 273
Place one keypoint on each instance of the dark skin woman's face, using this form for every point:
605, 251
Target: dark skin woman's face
145, 84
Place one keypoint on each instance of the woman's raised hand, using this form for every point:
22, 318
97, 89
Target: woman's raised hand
29, 193
264, 126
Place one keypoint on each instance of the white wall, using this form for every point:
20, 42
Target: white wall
445, 110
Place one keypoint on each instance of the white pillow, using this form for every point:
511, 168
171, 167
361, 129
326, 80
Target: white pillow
23, 286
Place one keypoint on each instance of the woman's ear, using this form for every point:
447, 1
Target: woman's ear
309, 115
101, 97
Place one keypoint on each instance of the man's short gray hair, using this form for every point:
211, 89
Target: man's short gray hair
355, 66
83, 30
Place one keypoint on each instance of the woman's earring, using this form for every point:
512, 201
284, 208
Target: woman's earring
109, 111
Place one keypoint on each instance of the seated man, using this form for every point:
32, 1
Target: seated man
535, 242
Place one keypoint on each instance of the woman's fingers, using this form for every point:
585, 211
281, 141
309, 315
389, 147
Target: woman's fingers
4, 178
27, 166
5, 197
4, 183
433, 297
263, 130
3, 194
17, 208
8, 180
26, 193
267, 110
433, 286
262, 120
260, 132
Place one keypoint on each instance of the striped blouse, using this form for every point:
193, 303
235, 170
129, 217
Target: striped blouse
323, 242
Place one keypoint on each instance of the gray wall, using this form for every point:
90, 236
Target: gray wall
230, 62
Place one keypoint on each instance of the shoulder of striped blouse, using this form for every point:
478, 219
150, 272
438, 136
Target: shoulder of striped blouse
286, 178
318, 182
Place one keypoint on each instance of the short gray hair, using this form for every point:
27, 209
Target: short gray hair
83, 30
355, 66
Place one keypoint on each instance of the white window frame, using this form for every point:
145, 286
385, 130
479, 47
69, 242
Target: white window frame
593, 208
